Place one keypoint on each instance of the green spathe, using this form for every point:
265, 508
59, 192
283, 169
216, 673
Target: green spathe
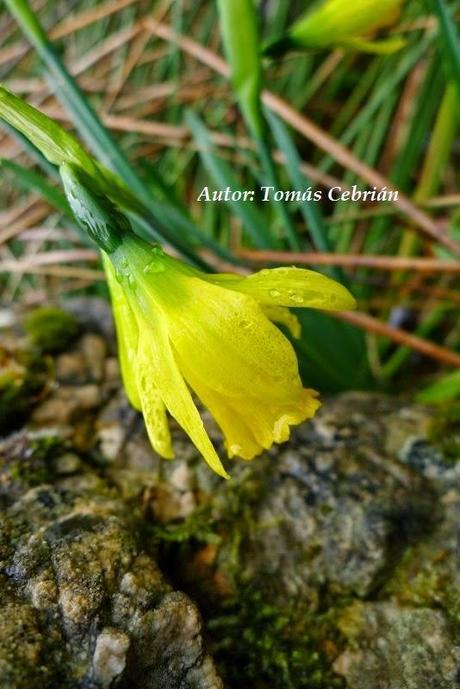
94, 212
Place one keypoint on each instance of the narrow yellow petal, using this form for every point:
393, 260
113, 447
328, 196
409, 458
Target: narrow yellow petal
127, 333
174, 392
239, 436
153, 407
293, 287
382, 47
282, 316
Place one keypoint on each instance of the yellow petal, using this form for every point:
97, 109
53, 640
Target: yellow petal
293, 287
227, 338
239, 437
127, 333
282, 316
153, 407
383, 47
240, 365
171, 386
251, 425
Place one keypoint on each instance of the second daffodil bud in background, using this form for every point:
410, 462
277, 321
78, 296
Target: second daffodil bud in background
344, 24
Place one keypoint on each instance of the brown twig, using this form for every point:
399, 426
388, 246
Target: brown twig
372, 325
67, 27
59, 271
425, 265
35, 213
49, 258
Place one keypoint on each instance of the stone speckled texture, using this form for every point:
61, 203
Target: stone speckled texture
82, 602
329, 563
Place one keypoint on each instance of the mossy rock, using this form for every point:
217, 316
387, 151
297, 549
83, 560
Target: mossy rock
51, 329
23, 380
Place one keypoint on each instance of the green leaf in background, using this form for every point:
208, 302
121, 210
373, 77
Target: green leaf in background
332, 354
450, 42
342, 23
240, 32
34, 182
223, 177
445, 389
52, 140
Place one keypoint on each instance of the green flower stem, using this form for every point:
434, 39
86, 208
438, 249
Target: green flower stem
93, 211
240, 33
87, 121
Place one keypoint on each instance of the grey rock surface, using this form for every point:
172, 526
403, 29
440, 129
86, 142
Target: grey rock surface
400, 647
82, 603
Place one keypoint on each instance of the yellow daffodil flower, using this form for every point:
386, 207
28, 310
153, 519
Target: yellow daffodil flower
180, 330
343, 23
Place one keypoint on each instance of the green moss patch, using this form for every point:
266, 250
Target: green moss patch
51, 329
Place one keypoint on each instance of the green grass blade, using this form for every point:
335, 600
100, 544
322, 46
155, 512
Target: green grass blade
240, 33
446, 389
310, 211
450, 42
223, 177
32, 181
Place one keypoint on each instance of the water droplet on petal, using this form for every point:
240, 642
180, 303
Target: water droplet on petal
245, 324
296, 297
154, 267
274, 293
